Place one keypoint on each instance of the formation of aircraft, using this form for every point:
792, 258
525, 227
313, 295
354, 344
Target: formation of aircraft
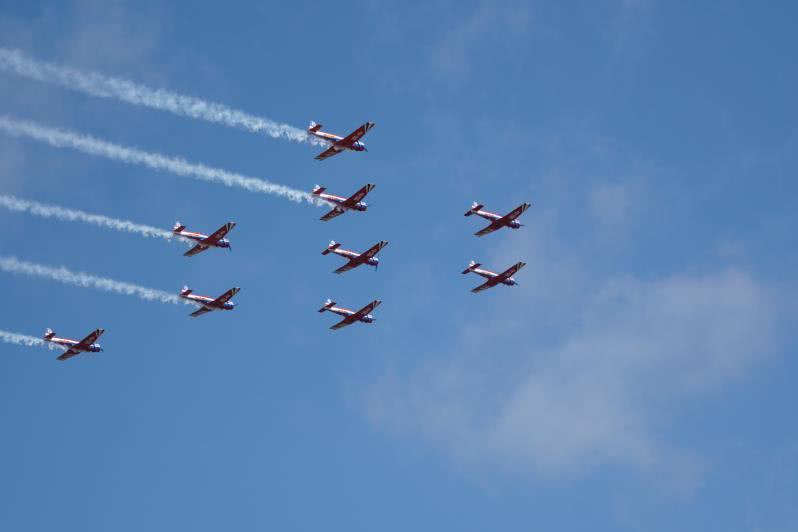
75, 347
208, 304
218, 239
493, 278
338, 144
497, 221
355, 259
352, 203
214, 240
350, 316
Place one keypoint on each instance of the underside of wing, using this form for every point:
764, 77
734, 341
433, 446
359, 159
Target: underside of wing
200, 311
358, 196
337, 211
484, 286
346, 322
227, 296
220, 233
489, 229
329, 152
348, 266
68, 354
356, 135
373, 250
199, 248
515, 213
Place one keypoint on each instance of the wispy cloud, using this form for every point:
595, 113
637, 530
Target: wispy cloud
579, 368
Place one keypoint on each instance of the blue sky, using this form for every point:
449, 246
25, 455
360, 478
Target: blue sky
641, 376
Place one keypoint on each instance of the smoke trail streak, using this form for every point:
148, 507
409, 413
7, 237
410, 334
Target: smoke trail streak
63, 275
96, 84
29, 341
92, 146
72, 215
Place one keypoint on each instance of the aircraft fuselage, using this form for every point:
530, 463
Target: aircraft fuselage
345, 312
492, 216
208, 302
487, 274
69, 343
373, 261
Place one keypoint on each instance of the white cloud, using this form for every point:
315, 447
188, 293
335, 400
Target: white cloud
486, 26
578, 369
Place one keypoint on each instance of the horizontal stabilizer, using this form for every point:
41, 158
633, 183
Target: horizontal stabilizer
327, 305
474, 208
333, 246
471, 266
318, 189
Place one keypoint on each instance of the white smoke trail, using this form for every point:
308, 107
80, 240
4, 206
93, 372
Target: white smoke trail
63, 275
96, 84
92, 146
72, 215
29, 341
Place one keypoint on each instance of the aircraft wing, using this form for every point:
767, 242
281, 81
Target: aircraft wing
346, 322
491, 228
353, 263
199, 248
356, 135
509, 272
329, 152
199, 312
373, 250
69, 353
512, 215
335, 212
366, 310
219, 233
90, 339
224, 298
358, 196
490, 283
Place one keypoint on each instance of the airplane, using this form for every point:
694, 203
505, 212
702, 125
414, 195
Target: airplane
339, 144
207, 304
215, 240
350, 316
352, 203
355, 259
74, 347
493, 278
497, 221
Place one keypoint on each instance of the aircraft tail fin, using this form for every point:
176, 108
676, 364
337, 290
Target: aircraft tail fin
333, 246
313, 127
318, 189
49, 333
178, 227
327, 305
474, 208
185, 291
471, 266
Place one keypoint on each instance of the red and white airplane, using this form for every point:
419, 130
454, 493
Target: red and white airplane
355, 259
75, 347
493, 278
207, 304
497, 221
352, 203
215, 240
339, 144
350, 316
